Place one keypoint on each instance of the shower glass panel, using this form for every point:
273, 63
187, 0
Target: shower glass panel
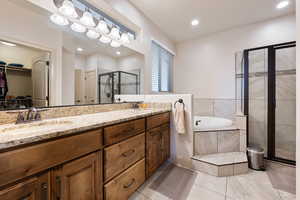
285, 112
258, 98
118, 82
129, 84
270, 99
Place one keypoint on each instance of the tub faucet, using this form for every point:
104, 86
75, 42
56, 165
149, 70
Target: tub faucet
197, 122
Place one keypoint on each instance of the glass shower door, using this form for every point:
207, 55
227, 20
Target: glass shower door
285, 103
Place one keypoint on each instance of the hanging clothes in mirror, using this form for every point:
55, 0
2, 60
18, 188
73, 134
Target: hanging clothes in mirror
3, 85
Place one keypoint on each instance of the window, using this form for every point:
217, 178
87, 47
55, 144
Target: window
162, 62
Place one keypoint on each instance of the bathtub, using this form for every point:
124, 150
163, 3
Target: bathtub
205, 123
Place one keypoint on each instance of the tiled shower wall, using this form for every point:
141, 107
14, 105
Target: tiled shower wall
225, 108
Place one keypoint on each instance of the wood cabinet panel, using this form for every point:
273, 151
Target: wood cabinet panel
166, 148
157, 120
79, 179
20, 163
119, 132
120, 156
124, 185
153, 150
36, 188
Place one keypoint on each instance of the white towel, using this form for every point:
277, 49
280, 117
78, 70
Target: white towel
179, 117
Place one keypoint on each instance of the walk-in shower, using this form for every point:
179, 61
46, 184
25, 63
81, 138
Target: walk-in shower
266, 90
118, 82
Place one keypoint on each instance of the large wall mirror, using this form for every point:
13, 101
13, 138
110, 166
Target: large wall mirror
43, 64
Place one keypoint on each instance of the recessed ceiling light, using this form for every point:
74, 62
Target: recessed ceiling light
79, 49
282, 4
195, 22
118, 53
8, 44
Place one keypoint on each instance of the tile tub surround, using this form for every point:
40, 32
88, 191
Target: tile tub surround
219, 142
175, 183
75, 124
220, 153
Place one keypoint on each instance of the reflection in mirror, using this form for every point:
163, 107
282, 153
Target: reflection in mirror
98, 71
23, 76
43, 64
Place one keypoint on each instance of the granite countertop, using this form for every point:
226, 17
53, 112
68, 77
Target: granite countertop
12, 135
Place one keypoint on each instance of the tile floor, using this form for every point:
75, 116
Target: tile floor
174, 183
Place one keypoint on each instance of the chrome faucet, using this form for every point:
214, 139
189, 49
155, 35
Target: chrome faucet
33, 114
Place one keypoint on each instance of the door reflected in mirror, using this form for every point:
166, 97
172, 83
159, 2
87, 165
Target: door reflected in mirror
23, 76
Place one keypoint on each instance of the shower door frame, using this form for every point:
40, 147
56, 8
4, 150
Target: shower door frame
271, 108
113, 83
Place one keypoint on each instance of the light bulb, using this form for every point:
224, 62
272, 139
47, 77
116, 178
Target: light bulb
125, 38
115, 34
78, 28
115, 44
68, 9
59, 20
283, 4
105, 39
87, 19
92, 34
102, 27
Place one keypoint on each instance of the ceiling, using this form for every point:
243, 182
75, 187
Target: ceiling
173, 17
72, 41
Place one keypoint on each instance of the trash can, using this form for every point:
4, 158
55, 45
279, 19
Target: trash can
256, 158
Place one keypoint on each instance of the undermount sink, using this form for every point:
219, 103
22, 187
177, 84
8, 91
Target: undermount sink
34, 126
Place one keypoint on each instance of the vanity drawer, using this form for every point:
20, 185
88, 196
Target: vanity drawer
158, 120
120, 156
119, 132
127, 183
27, 161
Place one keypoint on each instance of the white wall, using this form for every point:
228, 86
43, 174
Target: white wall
68, 81
210, 61
149, 32
28, 27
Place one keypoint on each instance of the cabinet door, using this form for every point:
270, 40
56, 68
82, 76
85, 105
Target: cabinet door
165, 130
33, 189
153, 150
79, 179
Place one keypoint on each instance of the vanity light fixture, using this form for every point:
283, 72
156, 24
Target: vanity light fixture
59, 20
84, 17
102, 27
115, 44
78, 28
79, 49
87, 19
115, 33
68, 9
105, 39
92, 34
8, 44
282, 4
125, 38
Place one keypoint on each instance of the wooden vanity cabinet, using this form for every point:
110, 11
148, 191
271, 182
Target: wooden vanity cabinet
157, 142
35, 188
107, 163
79, 179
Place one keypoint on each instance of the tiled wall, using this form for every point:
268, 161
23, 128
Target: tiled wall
225, 108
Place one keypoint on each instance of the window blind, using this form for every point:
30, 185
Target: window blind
162, 62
